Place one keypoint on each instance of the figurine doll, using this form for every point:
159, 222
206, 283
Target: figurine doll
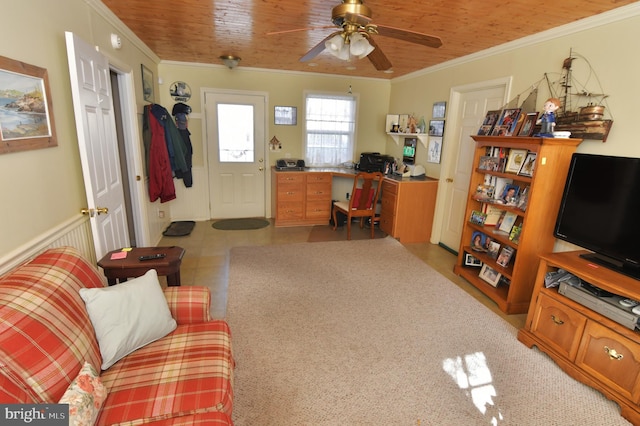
548, 118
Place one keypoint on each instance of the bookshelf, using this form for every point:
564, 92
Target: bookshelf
545, 185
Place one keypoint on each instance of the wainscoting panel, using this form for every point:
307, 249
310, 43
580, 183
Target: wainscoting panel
192, 203
75, 232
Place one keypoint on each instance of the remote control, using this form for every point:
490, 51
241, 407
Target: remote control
152, 256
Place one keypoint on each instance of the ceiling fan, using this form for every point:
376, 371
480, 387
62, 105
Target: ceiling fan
354, 39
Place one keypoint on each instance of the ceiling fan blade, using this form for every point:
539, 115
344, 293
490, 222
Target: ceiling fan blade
299, 29
377, 57
317, 49
410, 36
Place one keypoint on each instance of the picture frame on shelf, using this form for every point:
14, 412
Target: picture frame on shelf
470, 260
436, 128
490, 275
439, 109
507, 123
528, 165
505, 256
528, 125
510, 194
403, 122
489, 121
478, 241
25, 130
493, 249
515, 160
477, 217
392, 120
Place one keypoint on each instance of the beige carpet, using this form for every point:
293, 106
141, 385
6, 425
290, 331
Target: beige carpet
365, 333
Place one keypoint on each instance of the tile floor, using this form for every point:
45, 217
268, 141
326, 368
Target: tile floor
206, 260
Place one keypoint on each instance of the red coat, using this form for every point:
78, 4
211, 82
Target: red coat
160, 174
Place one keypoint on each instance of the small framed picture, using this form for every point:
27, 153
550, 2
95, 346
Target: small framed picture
285, 115
435, 149
528, 125
493, 249
528, 165
436, 128
391, 125
505, 256
516, 160
478, 241
403, 123
490, 275
439, 109
489, 121
470, 260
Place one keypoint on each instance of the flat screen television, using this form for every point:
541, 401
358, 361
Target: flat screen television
600, 210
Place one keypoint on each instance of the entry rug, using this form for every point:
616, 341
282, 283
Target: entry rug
240, 224
179, 229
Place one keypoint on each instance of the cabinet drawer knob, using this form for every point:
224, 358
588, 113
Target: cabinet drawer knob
556, 320
613, 354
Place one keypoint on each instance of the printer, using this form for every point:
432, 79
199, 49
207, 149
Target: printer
375, 162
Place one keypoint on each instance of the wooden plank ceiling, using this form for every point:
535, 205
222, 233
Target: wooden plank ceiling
202, 30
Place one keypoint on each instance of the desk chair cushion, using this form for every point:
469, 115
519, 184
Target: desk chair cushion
357, 196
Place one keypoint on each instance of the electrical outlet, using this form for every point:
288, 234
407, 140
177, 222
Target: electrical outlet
161, 214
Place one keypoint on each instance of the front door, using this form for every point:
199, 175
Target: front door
236, 143
473, 105
97, 140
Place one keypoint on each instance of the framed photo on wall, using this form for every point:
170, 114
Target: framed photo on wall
26, 113
147, 84
285, 115
439, 109
436, 128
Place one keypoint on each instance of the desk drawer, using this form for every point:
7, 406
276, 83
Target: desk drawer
389, 187
290, 210
318, 191
319, 209
290, 192
289, 177
319, 178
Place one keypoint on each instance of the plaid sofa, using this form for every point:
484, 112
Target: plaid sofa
184, 378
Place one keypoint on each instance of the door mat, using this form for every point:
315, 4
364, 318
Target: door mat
179, 229
240, 224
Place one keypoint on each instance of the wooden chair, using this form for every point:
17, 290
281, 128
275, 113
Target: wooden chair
363, 201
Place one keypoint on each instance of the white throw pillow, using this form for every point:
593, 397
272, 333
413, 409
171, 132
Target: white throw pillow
128, 316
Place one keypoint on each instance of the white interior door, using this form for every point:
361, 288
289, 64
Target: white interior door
235, 124
97, 140
473, 105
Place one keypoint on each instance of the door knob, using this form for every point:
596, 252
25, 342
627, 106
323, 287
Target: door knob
101, 210
260, 168
89, 212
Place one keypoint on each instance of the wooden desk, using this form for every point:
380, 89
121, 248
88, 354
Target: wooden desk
304, 198
118, 270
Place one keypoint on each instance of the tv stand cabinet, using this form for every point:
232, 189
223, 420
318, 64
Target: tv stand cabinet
588, 346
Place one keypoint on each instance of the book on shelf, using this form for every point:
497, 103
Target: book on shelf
507, 222
505, 256
493, 214
478, 217
514, 235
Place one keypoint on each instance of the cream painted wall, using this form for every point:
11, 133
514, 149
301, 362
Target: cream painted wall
42, 189
283, 88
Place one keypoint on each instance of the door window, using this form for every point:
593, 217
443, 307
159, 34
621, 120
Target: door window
235, 133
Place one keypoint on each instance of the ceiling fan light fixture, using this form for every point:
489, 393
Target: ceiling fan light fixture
231, 61
337, 47
360, 46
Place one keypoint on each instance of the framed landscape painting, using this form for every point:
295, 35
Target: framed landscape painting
26, 114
